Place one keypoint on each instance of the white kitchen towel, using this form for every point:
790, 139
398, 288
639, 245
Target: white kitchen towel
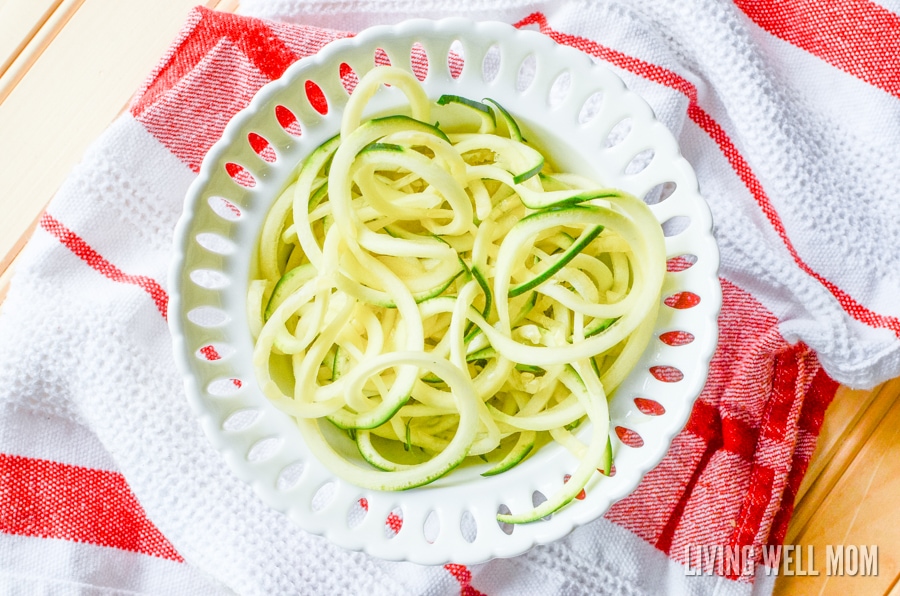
789, 112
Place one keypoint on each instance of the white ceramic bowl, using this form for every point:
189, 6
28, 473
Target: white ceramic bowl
575, 108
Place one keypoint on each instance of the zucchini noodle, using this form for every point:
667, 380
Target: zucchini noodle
444, 297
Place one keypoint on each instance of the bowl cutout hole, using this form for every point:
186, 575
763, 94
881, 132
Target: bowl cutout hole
456, 59
348, 76
418, 61
675, 225
506, 528
381, 57
467, 527
660, 193
650, 407
526, 74
207, 316
629, 437
316, 97
618, 132
224, 387
590, 108
394, 522
357, 512
581, 495
262, 147
290, 475
639, 162
538, 498
490, 65
676, 338
323, 497
680, 263
240, 420
209, 279
666, 374
682, 300
287, 120
264, 449
431, 529
213, 352
240, 174
215, 243
224, 208
559, 89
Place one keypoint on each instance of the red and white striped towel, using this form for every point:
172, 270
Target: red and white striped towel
790, 113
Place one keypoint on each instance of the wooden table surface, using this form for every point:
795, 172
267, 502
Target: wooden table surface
68, 68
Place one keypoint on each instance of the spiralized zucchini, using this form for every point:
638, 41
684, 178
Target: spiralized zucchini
443, 296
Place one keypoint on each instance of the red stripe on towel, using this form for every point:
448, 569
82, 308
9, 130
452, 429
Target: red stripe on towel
255, 39
96, 261
46, 499
464, 576
856, 36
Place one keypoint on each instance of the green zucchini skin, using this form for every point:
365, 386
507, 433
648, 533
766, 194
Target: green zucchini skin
481, 108
522, 449
515, 133
289, 283
576, 248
